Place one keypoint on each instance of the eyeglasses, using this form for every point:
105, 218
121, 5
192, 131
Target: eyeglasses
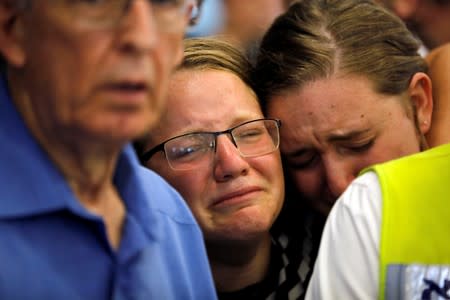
191, 150
106, 14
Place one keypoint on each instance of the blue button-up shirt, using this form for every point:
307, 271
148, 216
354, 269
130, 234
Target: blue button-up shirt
51, 247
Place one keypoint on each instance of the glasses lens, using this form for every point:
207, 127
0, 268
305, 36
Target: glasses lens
257, 137
104, 14
96, 13
188, 151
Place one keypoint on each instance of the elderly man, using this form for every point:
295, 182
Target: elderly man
79, 219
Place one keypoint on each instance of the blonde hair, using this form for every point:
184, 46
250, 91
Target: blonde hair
214, 53
210, 53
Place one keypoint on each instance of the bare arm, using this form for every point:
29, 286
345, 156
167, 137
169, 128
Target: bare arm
439, 64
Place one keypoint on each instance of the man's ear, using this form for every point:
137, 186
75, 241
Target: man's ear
405, 9
192, 12
11, 33
420, 93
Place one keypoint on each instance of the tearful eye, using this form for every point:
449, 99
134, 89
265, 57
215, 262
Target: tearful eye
249, 134
189, 152
184, 152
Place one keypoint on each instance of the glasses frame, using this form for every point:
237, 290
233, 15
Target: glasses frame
183, 5
147, 155
124, 8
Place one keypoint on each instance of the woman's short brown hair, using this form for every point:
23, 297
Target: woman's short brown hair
317, 38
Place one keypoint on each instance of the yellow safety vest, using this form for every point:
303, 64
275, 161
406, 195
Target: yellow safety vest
415, 226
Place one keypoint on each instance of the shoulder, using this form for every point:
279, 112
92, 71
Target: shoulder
163, 198
431, 163
362, 196
349, 246
147, 194
357, 213
180, 241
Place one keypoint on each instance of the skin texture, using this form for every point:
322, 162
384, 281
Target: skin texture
334, 127
208, 188
71, 84
87, 101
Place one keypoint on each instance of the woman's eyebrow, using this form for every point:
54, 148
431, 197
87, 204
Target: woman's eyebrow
345, 136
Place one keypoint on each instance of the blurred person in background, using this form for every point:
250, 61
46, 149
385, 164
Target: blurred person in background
429, 19
242, 23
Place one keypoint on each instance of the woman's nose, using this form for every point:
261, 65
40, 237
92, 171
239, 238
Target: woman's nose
228, 162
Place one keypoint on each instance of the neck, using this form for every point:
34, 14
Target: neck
91, 179
86, 164
238, 265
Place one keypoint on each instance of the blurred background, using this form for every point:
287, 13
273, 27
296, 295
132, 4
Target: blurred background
242, 22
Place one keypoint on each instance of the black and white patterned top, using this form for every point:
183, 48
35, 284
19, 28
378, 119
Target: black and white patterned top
295, 242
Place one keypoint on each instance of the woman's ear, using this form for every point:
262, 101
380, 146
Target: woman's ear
11, 33
420, 93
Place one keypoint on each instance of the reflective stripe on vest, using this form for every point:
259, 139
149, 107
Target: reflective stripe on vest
415, 222
425, 282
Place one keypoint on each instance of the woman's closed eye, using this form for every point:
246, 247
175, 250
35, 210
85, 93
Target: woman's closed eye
252, 134
359, 147
303, 161
189, 152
